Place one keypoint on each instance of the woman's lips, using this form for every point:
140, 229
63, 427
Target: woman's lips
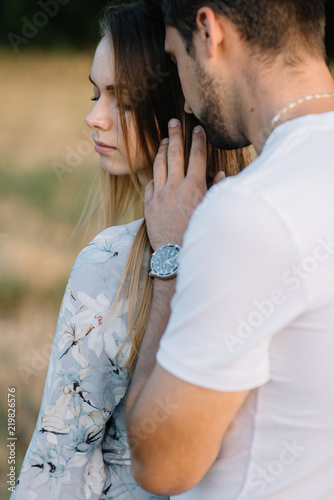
103, 149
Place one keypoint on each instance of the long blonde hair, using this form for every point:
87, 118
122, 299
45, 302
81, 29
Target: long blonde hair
136, 33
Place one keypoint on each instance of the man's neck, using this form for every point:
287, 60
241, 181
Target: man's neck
280, 86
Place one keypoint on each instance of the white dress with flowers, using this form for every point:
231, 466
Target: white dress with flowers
79, 449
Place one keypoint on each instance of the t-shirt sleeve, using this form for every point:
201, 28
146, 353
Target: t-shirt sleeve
231, 297
86, 381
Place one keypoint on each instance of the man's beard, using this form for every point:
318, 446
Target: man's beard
218, 133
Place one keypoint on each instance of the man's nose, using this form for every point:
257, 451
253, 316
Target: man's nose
187, 108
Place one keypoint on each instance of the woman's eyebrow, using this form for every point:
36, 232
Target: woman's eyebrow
108, 87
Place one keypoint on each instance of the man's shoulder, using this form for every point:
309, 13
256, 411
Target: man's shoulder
231, 210
295, 156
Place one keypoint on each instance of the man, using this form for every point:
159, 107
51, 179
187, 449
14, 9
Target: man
237, 400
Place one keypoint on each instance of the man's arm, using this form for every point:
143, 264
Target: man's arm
157, 323
175, 428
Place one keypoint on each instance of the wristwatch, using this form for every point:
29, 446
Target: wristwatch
164, 262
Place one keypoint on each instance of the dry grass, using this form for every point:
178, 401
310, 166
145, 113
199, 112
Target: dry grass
45, 98
45, 101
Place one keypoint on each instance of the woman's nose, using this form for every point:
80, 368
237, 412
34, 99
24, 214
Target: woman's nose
99, 117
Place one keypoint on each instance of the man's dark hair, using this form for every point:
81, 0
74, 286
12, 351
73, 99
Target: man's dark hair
267, 25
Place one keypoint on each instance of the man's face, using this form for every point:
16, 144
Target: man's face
211, 98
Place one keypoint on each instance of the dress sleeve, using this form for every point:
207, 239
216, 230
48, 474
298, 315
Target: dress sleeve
85, 380
231, 297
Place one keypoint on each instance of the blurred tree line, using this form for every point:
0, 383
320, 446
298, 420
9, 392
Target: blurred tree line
50, 24
330, 28
72, 24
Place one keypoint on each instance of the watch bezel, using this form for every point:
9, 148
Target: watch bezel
153, 272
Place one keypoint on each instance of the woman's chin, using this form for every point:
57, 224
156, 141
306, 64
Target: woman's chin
114, 167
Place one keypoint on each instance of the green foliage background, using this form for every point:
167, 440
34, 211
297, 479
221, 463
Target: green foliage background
330, 28
75, 24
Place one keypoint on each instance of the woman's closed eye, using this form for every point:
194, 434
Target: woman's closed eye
125, 106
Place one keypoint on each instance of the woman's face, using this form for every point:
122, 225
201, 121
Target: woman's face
105, 117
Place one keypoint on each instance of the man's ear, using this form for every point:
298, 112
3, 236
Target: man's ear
210, 31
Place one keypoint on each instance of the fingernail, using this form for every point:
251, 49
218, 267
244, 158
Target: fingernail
197, 129
173, 123
165, 140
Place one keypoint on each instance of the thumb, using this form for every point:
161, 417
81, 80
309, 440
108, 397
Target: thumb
219, 177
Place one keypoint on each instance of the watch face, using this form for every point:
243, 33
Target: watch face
165, 261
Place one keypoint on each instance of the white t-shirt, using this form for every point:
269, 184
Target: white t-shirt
254, 309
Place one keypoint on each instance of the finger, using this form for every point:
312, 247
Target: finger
175, 153
160, 165
218, 177
149, 191
198, 153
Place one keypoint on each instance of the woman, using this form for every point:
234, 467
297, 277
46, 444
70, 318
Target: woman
79, 449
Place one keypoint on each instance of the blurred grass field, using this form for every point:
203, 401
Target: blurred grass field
45, 98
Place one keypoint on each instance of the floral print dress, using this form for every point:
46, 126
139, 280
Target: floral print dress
79, 449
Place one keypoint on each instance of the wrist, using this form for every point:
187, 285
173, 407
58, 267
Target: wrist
163, 291
164, 286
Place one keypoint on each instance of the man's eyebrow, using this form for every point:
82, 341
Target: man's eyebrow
108, 87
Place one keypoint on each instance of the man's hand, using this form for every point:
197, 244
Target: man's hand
171, 197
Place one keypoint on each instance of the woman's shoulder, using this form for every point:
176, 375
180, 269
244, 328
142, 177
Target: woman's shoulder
105, 257
123, 230
116, 235
97, 272
113, 242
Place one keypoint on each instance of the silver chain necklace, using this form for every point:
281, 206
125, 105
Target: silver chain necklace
292, 104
